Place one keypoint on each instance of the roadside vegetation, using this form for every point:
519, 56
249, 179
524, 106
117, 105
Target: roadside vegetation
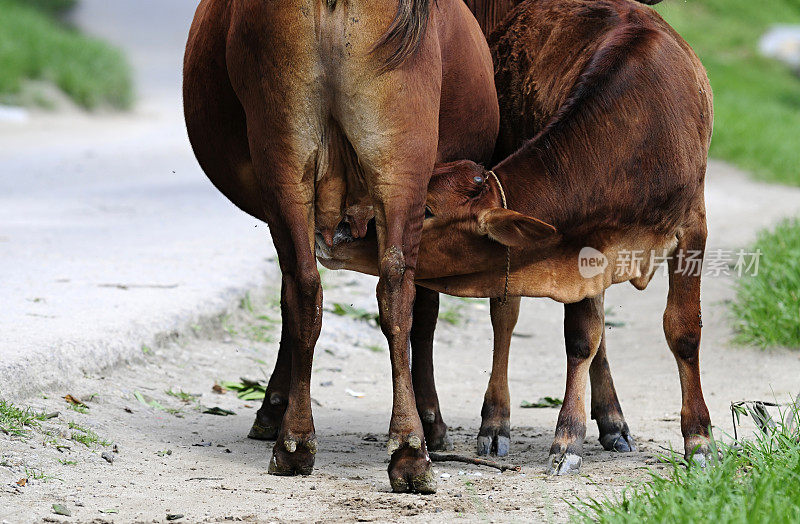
767, 307
754, 481
36, 45
756, 99
18, 421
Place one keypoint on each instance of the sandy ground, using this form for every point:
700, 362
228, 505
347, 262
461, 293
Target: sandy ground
226, 479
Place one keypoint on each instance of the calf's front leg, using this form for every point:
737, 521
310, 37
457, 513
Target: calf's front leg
495, 433
583, 333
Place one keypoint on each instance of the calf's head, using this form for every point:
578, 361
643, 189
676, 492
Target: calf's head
467, 228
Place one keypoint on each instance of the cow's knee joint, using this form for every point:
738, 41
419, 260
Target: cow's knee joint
393, 267
308, 283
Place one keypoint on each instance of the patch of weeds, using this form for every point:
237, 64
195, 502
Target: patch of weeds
146, 350
65, 462
86, 436
260, 333
357, 313
164, 453
767, 306
375, 348
154, 404
37, 46
78, 408
18, 421
35, 474
451, 313
182, 395
246, 303
228, 327
752, 481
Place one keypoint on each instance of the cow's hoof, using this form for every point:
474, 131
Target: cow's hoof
436, 436
410, 468
564, 464
621, 442
293, 456
268, 419
494, 439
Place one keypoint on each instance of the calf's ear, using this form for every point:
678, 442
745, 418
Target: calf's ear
513, 229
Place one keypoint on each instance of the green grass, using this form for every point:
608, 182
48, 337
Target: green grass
767, 306
86, 436
754, 482
35, 46
756, 100
18, 421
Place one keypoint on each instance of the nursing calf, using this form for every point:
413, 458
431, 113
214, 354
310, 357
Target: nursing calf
620, 111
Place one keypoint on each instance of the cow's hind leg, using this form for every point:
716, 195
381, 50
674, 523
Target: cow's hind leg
301, 305
495, 433
426, 311
682, 327
583, 332
606, 411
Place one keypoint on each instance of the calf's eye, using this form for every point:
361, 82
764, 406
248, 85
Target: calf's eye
478, 179
428, 212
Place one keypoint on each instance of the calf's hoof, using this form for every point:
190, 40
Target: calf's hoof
268, 419
260, 431
410, 468
621, 442
436, 436
699, 454
494, 439
293, 456
564, 464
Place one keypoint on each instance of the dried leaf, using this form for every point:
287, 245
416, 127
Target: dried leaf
218, 389
22, 482
75, 401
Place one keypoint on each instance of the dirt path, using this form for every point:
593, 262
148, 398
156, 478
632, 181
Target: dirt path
227, 479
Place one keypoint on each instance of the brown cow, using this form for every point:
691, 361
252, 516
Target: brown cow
309, 114
624, 116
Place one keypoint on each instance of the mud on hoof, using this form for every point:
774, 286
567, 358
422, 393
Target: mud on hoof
293, 456
410, 468
564, 464
620, 441
268, 419
494, 439
436, 436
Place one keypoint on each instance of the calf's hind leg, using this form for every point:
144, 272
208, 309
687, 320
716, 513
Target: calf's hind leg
682, 327
614, 432
495, 433
583, 333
